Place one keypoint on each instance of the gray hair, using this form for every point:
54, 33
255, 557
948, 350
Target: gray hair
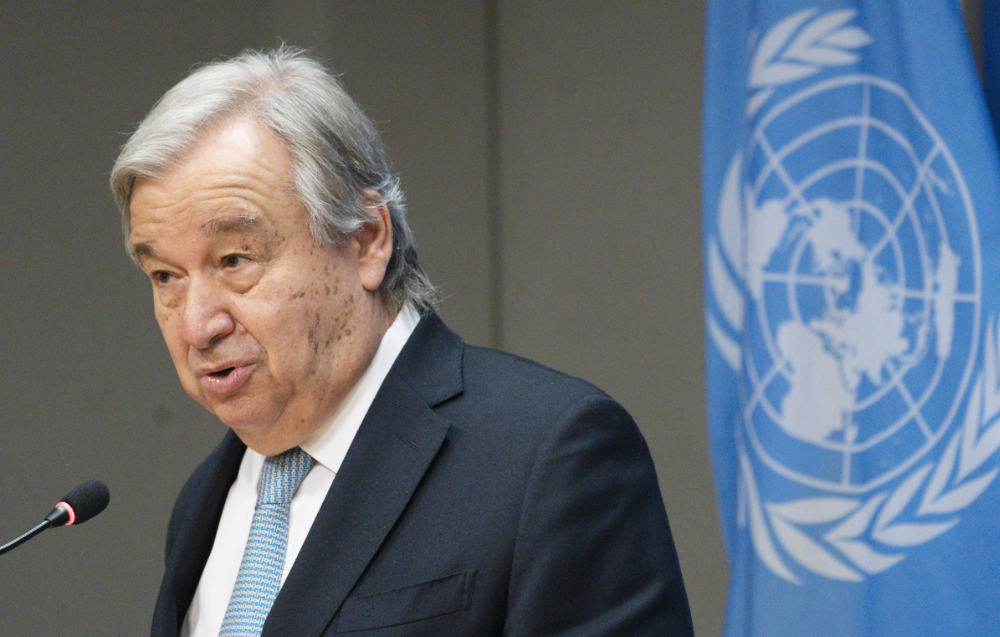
336, 151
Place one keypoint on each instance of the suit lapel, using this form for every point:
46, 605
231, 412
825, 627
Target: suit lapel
192, 532
394, 448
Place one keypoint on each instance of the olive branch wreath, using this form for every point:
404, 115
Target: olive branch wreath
799, 46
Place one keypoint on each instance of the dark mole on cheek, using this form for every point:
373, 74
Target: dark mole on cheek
341, 324
313, 340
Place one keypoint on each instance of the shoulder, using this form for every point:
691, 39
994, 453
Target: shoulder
490, 391
442, 368
505, 372
534, 399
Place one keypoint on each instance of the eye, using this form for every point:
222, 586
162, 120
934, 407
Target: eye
161, 277
232, 260
238, 271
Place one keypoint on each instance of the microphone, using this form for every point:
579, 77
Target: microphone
76, 507
80, 504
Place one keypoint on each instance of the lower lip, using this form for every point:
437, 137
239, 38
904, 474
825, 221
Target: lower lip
222, 385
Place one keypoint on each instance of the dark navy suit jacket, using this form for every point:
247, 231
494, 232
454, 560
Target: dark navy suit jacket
483, 495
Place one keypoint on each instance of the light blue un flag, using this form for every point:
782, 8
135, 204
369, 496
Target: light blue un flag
852, 259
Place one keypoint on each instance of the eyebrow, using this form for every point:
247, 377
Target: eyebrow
225, 225
211, 228
142, 250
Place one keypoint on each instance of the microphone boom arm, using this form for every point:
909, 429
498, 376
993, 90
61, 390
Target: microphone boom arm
27, 535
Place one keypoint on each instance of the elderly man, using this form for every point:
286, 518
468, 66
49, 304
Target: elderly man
379, 476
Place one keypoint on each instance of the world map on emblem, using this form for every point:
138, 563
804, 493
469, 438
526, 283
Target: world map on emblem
862, 274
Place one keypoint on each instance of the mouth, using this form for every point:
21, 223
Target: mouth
226, 380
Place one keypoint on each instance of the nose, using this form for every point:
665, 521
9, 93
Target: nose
206, 317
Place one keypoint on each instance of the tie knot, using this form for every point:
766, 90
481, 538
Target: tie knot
282, 475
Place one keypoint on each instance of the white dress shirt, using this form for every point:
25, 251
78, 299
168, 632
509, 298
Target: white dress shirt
328, 445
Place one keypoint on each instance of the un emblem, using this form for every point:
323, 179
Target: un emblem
863, 277
846, 275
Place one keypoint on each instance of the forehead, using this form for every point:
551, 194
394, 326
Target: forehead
236, 178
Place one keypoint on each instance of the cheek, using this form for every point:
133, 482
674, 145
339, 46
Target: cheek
320, 315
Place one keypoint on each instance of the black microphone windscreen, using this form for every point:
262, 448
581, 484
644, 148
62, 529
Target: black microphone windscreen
87, 500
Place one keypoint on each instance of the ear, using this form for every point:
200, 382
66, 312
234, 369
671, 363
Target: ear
374, 241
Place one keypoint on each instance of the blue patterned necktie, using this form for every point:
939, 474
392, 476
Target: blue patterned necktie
259, 577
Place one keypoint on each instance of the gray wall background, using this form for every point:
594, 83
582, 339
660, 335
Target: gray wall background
550, 154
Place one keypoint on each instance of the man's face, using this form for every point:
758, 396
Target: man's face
267, 330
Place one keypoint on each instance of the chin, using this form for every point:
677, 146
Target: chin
253, 422
262, 438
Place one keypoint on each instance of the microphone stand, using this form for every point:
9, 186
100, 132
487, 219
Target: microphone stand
27, 535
